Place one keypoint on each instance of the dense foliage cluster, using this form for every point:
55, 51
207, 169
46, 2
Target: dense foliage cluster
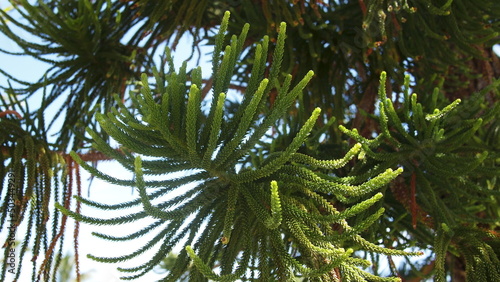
311, 157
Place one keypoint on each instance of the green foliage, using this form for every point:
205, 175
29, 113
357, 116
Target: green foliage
277, 188
349, 43
32, 176
449, 171
75, 61
82, 42
276, 220
96, 48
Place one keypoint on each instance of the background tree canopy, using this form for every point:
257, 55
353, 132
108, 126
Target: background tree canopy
329, 137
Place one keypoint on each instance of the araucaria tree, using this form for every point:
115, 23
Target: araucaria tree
328, 137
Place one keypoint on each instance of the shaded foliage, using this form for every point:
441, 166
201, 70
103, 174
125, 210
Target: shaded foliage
351, 59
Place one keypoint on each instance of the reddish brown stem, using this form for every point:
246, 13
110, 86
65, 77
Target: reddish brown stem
363, 7
6, 112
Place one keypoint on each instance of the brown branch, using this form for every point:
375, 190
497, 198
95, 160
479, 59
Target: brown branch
207, 87
209, 83
363, 7
93, 156
6, 112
